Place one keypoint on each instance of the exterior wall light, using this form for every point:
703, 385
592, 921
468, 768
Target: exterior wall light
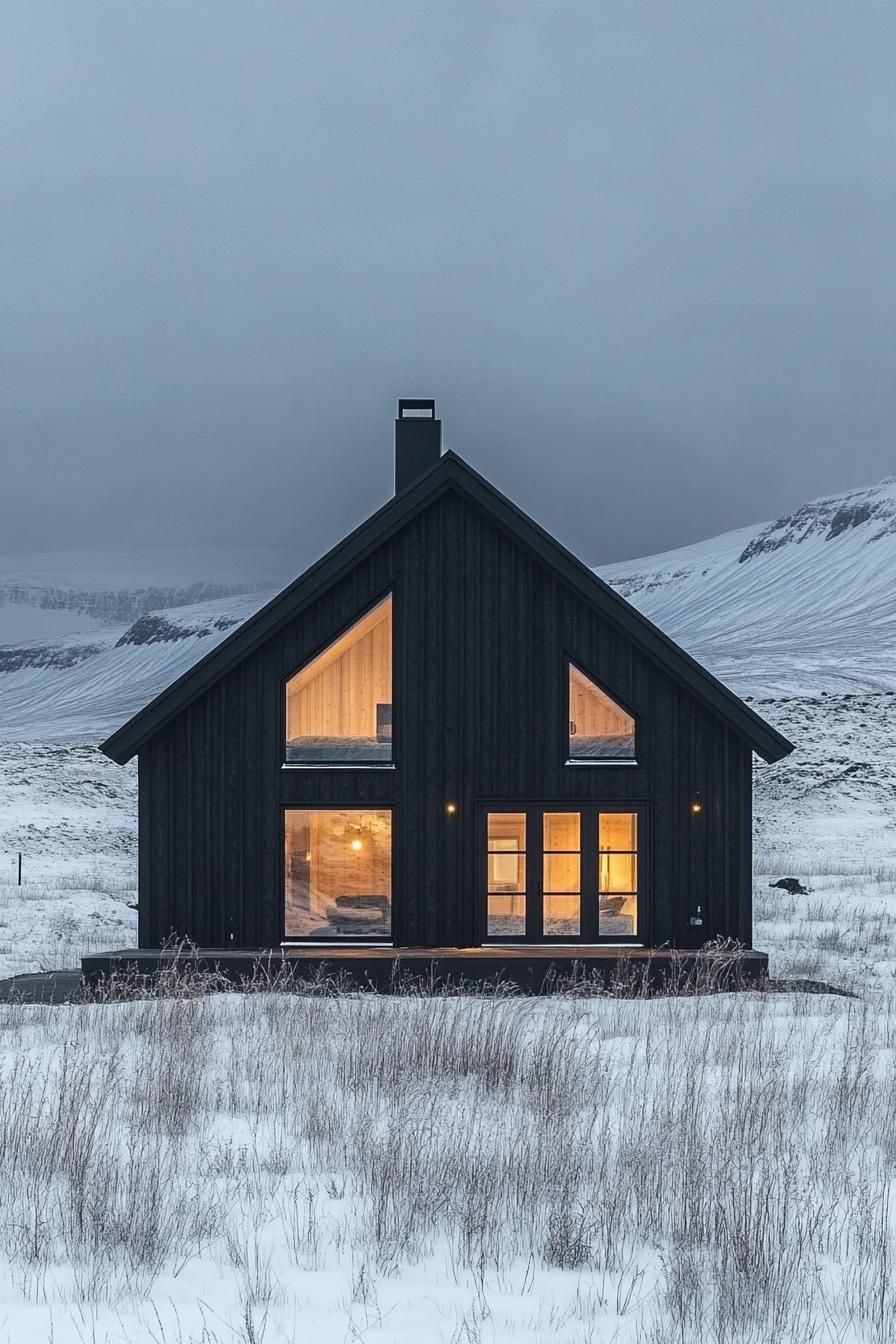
451, 808
696, 808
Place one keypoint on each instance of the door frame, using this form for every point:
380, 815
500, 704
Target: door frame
588, 935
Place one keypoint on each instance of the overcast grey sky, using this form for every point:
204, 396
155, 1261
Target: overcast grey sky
641, 254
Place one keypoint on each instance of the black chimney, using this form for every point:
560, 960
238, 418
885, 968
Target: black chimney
418, 440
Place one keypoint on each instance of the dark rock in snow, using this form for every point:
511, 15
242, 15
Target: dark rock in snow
159, 630
46, 655
792, 885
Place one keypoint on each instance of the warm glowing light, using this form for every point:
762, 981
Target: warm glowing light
308, 856
451, 808
696, 807
342, 891
357, 844
339, 705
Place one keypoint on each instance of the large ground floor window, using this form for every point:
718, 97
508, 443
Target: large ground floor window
338, 874
567, 873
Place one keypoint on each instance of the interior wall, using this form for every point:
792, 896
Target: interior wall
337, 695
592, 713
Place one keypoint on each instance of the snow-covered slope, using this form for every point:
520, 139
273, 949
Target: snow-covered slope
801, 604
88, 636
77, 691
60, 593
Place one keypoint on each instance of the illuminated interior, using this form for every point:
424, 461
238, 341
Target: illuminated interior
562, 859
338, 874
559, 852
599, 729
506, 844
339, 706
617, 874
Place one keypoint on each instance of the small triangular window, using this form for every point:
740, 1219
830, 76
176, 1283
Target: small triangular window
599, 728
339, 706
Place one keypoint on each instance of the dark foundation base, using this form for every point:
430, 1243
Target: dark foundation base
534, 970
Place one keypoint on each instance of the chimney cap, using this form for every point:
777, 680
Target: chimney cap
418, 440
416, 404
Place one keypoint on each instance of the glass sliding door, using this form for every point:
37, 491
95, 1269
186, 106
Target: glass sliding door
567, 873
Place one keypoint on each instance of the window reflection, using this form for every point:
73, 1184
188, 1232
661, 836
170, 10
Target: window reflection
338, 874
506, 845
617, 874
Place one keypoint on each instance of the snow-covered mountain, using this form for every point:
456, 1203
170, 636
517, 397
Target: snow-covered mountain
77, 690
798, 606
86, 636
60, 593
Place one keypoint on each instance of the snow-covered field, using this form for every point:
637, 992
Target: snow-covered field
72, 816
459, 1171
709, 1170
278, 1168
827, 815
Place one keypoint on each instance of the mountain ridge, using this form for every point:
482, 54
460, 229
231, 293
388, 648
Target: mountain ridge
52, 595
804, 604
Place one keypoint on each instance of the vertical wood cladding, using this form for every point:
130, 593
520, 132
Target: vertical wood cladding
483, 631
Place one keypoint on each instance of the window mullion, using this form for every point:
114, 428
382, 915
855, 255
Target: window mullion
534, 876
589, 918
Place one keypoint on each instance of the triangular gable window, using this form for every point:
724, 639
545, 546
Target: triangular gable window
599, 728
339, 706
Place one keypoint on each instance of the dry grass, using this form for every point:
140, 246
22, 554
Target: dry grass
842, 931
51, 923
704, 1168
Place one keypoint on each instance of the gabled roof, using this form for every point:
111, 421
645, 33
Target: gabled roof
450, 473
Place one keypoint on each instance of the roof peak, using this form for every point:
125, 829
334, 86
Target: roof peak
449, 471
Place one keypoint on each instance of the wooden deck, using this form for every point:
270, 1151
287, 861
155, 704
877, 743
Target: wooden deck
534, 969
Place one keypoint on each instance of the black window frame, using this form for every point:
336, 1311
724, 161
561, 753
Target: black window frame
589, 926
357, 939
614, 762
391, 764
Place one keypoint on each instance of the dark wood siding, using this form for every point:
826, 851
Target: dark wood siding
483, 631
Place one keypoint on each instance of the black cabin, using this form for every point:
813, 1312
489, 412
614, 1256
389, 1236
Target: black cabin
447, 734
